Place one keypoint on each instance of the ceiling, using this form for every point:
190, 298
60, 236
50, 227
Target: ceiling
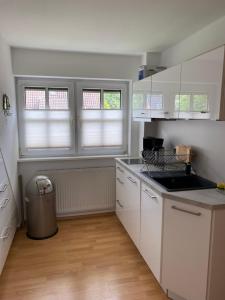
108, 26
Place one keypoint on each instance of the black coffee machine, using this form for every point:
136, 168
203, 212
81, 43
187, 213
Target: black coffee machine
152, 144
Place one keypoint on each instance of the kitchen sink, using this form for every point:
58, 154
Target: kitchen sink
178, 181
133, 161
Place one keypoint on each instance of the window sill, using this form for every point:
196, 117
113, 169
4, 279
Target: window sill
51, 159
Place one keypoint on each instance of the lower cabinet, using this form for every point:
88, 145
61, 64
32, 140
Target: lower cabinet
8, 215
183, 244
186, 245
151, 229
128, 202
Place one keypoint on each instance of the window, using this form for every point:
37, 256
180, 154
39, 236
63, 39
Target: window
45, 119
191, 102
103, 118
49, 125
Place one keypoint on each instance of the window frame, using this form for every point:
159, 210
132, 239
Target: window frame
102, 85
47, 84
75, 99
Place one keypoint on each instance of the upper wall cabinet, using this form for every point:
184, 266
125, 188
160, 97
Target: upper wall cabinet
141, 99
201, 87
165, 87
193, 90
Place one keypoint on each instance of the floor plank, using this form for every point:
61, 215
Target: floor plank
90, 258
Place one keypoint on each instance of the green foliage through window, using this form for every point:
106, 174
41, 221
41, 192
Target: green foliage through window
111, 100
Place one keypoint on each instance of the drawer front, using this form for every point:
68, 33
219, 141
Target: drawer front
7, 207
120, 172
6, 237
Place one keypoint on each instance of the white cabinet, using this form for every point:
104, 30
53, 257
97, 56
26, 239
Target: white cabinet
151, 229
193, 90
141, 99
132, 207
201, 87
128, 202
186, 243
8, 215
165, 88
120, 192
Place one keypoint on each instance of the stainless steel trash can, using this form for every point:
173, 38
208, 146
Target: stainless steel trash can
40, 208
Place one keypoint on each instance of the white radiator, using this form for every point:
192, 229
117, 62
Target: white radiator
85, 190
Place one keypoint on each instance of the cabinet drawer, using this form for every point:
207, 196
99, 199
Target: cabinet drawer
6, 237
7, 206
120, 172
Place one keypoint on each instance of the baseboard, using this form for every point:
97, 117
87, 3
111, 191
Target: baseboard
71, 216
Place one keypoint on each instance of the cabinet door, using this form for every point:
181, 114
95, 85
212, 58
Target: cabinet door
201, 85
165, 88
186, 240
132, 207
141, 96
151, 229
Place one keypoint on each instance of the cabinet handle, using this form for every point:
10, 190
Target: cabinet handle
118, 201
132, 180
118, 168
120, 181
186, 211
6, 234
3, 188
4, 203
149, 195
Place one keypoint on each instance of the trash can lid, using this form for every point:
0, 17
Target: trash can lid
39, 185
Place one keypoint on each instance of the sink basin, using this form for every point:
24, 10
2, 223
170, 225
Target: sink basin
180, 182
133, 161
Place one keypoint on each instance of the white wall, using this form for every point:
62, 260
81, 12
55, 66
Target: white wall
8, 125
74, 64
206, 137
208, 38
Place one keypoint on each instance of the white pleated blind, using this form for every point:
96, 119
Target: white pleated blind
100, 128
68, 117
47, 122
102, 119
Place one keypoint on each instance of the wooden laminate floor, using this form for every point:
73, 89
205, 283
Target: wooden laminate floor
91, 258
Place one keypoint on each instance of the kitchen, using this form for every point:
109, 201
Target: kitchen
74, 110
